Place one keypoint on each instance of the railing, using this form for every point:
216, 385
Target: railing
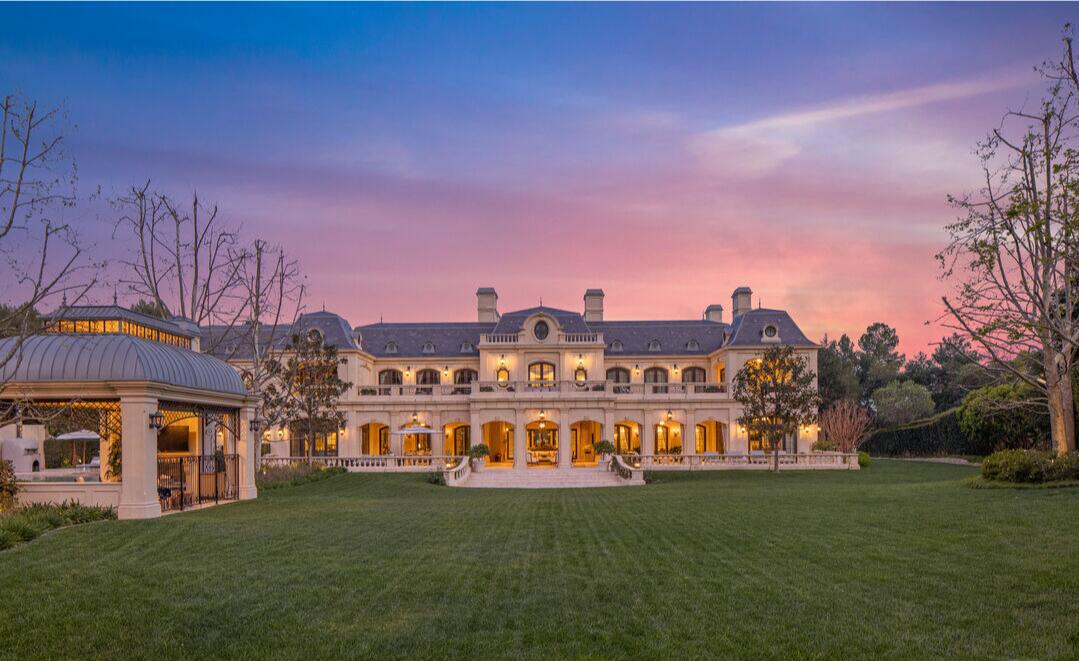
500, 338
618, 465
187, 480
752, 460
372, 463
456, 475
594, 388
580, 338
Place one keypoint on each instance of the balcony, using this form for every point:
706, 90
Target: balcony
508, 339
551, 389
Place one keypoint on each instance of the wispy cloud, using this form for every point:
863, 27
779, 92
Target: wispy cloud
759, 146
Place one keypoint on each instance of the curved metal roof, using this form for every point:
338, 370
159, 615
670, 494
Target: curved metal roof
92, 357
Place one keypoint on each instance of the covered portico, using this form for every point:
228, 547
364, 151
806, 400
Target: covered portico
174, 425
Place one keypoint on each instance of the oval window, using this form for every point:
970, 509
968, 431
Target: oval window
541, 330
770, 331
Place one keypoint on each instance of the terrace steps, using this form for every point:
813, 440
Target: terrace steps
543, 478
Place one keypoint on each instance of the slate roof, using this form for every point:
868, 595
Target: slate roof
747, 329
115, 357
674, 337
446, 338
97, 312
230, 343
571, 322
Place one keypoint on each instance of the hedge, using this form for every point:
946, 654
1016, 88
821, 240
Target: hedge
936, 436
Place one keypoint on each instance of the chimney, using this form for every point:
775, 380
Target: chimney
714, 312
742, 298
487, 305
593, 305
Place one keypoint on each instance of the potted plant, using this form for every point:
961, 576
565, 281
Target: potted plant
477, 453
604, 449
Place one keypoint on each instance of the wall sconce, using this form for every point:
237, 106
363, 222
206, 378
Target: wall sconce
543, 420
637, 370
408, 370
415, 417
157, 420
742, 428
280, 433
502, 361
580, 360
670, 415
446, 370
580, 375
256, 424
220, 435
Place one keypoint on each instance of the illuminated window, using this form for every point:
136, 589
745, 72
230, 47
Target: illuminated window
541, 374
656, 375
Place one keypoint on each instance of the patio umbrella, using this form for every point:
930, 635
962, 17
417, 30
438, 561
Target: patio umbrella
80, 435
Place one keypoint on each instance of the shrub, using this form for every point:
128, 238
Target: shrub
1065, 467
479, 450
26, 523
1002, 417
437, 477
932, 437
294, 474
7, 539
603, 447
1029, 466
9, 486
863, 459
823, 445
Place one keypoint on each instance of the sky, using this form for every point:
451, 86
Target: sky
666, 153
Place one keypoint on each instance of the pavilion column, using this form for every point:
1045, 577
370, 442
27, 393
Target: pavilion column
520, 443
350, 447
138, 493
245, 453
607, 434
397, 441
648, 434
565, 442
475, 433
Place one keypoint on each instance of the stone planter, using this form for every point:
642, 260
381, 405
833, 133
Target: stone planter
604, 460
477, 464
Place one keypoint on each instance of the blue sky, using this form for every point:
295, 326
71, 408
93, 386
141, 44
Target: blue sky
667, 153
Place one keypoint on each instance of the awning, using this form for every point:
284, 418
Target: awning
81, 435
414, 430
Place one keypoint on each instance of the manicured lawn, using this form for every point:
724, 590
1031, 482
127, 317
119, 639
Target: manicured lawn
897, 560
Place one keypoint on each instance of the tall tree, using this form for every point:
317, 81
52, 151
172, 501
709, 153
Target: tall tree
901, 402
837, 372
1014, 251
304, 389
778, 394
42, 257
879, 361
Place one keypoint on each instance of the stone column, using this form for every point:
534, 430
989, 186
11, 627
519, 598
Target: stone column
138, 493
245, 453
520, 444
475, 434
689, 432
608, 426
438, 439
565, 440
648, 433
397, 441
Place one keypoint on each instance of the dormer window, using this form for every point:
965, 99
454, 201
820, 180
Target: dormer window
467, 347
693, 345
391, 347
770, 333
428, 347
654, 345
616, 346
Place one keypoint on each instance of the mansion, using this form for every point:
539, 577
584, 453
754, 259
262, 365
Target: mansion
540, 386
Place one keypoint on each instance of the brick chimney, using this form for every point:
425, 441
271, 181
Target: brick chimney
487, 305
593, 305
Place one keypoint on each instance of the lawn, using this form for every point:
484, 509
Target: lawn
898, 560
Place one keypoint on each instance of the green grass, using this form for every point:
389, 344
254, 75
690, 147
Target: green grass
898, 560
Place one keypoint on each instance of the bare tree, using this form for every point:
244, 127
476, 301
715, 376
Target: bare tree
1014, 250
845, 424
44, 258
185, 260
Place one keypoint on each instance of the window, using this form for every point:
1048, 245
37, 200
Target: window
541, 374
656, 375
427, 377
654, 345
541, 330
619, 375
391, 347
616, 346
693, 345
463, 377
693, 375
325, 439
467, 347
428, 347
389, 377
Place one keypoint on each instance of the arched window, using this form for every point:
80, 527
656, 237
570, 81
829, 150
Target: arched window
389, 377
541, 374
619, 375
462, 378
427, 377
656, 375
693, 375
467, 347
654, 345
616, 346
391, 347
428, 347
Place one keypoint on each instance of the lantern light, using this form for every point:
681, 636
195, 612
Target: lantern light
157, 420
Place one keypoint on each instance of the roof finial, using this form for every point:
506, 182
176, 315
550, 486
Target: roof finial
114, 301
63, 302
541, 301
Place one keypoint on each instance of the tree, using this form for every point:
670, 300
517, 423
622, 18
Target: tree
150, 309
837, 371
845, 424
184, 259
1004, 416
778, 394
901, 402
878, 360
305, 387
41, 254
1013, 252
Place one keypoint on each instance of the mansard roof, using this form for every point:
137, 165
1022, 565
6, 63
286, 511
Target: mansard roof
571, 322
747, 329
673, 337
109, 312
408, 339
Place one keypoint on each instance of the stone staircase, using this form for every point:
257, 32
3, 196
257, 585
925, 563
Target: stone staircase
545, 478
